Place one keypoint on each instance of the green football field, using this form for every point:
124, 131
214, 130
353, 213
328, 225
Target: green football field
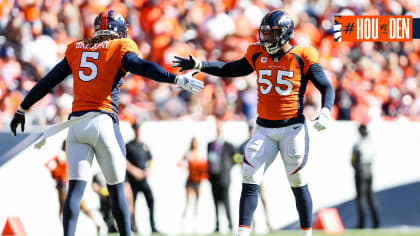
319, 233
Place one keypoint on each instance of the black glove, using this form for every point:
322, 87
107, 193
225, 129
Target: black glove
18, 118
190, 63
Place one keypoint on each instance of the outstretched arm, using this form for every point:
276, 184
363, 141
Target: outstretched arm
224, 69
227, 69
55, 76
134, 64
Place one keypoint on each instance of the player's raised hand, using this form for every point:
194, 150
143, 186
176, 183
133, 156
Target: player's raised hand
190, 63
322, 119
187, 82
18, 118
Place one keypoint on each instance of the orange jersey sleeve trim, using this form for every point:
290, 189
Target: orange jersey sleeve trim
309, 56
128, 45
254, 50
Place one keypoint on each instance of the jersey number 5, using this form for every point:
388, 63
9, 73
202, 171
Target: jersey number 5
287, 84
84, 63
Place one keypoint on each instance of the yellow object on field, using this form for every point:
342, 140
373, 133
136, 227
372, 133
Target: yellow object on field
104, 192
238, 158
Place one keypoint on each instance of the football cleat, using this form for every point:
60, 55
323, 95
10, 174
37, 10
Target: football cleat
275, 31
110, 22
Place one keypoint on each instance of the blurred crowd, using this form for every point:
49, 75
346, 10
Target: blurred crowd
373, 80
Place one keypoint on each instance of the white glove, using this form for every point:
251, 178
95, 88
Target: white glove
187, 82
322, 119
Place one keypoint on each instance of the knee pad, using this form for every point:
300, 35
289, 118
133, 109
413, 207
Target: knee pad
250, 175
297, 179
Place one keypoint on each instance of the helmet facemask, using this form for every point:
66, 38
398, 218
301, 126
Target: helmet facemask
274, 38
106, 32
275, 31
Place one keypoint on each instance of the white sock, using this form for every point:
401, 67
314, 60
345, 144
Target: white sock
243, 231
307, 232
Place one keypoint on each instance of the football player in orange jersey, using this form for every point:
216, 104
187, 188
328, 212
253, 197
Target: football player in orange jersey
98, 66
283, 72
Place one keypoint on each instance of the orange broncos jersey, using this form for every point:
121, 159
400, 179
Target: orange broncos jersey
97, 73
197, 169
281, 82
58, 168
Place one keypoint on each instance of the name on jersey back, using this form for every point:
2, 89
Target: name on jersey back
99, 45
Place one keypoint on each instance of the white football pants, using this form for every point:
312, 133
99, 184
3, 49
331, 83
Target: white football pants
293, 143
100, 136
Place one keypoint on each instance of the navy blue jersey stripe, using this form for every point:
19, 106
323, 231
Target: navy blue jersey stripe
115, 92
303, 84
255, 57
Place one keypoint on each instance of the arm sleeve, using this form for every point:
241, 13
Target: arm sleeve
227, 69
321, 82
134, 64
54, 77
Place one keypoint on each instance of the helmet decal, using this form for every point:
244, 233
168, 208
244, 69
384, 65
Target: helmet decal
110, 22
104, 20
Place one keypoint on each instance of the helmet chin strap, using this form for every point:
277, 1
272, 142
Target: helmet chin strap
275, 49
